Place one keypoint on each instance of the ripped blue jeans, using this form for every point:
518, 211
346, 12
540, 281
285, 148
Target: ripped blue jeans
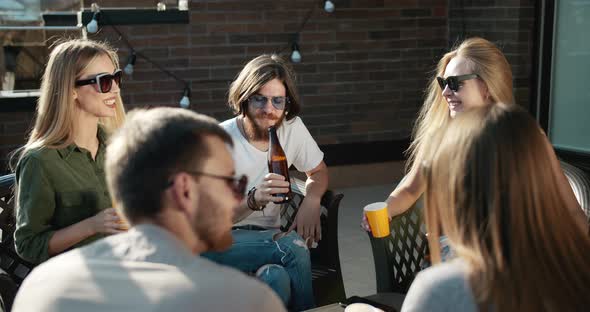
256, 249
446, 253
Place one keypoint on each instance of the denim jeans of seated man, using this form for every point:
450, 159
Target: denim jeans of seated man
275, 276
446, 253
253, 250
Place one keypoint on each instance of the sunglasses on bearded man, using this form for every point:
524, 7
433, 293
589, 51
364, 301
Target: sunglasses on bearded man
236, 184
259, 101
454, 81
102, 82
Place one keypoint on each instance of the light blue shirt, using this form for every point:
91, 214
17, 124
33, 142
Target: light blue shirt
144, 269
443, 287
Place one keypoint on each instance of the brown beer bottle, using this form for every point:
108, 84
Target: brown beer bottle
277, 161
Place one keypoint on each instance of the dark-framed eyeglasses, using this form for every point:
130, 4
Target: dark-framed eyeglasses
102, 82
454, 81
259, 101
236, 184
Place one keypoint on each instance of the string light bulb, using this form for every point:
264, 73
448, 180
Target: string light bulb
182, 5
130, 64
92, 27
185, 102
329, 6
295, 55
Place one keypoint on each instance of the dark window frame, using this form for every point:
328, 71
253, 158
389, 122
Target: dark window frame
541, 97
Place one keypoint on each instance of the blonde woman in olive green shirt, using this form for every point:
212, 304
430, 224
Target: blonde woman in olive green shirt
62, 198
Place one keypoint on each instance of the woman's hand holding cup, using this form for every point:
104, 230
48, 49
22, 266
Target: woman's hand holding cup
376, 219
108, 221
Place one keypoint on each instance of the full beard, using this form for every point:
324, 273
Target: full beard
256, 132
208, 226
214, 238
220, 243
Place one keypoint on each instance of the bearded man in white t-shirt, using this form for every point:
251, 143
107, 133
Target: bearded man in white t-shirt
264, 95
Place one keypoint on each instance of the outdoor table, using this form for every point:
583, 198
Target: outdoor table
334, 307
339, 307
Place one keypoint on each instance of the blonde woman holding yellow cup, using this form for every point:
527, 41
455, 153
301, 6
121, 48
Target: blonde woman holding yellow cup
474, 74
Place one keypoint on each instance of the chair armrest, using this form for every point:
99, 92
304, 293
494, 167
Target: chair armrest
6, 185
398, 256
580, 182
325, 259
329, 202
10, 261
383, 265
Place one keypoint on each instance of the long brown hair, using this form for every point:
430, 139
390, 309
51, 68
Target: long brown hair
256, 74
492, 190
488, 62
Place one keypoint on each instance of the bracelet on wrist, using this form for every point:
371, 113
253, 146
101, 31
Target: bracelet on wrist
251, 201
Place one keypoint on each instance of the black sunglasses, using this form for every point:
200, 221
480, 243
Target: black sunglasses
103, 82
453, 81
236, 184
258, 101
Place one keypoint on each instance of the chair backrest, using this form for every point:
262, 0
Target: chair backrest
580, 183
325, 260
398, 257
14, 268
10, 261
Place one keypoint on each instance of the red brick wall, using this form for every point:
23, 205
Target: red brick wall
508, 23
13, 126
15, 121
363, 71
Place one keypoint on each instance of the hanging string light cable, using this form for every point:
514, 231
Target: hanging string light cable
294, 43
185, 100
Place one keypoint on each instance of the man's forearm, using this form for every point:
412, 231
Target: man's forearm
241, 212
317, 183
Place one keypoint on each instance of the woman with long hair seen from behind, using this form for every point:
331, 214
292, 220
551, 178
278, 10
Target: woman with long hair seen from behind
474, 74
494, 189
62, 199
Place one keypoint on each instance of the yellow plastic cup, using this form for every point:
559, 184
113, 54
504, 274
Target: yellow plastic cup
123, 224
378, 219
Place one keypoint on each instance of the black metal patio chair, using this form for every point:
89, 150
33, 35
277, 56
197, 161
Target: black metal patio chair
14, 268
328, 286
399, 256
580, 183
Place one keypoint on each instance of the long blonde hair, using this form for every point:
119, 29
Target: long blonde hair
491, 189
488, 62
54, 124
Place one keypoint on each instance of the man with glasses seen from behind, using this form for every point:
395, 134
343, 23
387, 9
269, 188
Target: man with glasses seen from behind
264, 95
171, 173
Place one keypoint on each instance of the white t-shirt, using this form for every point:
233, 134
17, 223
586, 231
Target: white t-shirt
301, 150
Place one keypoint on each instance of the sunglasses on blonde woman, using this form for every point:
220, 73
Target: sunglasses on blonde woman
454, 81
102, 82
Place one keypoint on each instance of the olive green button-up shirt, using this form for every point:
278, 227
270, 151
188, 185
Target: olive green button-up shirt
57, 188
